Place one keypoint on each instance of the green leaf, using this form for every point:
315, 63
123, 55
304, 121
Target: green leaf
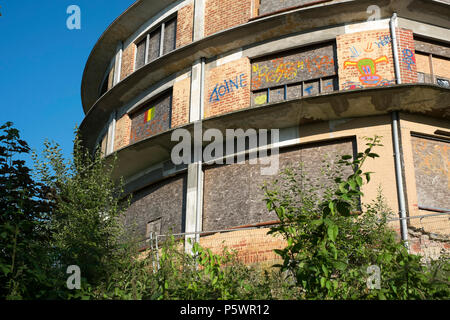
333, 232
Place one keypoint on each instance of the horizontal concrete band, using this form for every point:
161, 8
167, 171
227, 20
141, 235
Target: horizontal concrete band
425, 99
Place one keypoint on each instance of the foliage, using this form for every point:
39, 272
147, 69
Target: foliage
331, 244
23, 216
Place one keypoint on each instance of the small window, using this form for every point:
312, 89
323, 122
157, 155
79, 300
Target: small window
161, 40
153, 228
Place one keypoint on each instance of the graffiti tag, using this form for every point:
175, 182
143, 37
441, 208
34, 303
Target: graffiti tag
227, 87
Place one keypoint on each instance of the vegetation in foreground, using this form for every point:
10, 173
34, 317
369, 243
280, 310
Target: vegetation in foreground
67, 212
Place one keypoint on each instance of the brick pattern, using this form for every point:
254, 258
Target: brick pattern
185, 25
221, 95
180, 103
224, 14
122, 134
128, 57
251, 246
365, 59
406, 54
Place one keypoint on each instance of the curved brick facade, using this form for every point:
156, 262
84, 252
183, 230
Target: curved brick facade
323, 72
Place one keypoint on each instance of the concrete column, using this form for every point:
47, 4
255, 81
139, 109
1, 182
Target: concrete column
118, 63
111, 134
199, 19
194, 197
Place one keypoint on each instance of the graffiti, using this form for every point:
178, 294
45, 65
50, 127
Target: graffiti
227, 87
367, 69
384, 41
408, 58
328, 86
149, 115
351, 85
261, 99
281, 71
432, 159
368, 47
308, 90
354, 52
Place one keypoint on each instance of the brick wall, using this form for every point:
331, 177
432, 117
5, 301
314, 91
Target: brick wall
251, 246
406, 54
365, 59
185, 25
227, 88
180, 102
224, 14
128, 57
122, 134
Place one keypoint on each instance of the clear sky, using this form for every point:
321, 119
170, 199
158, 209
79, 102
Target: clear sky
42, 62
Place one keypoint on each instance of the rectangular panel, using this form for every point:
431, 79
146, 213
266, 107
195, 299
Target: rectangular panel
233, 194
159, 207
154, 44
152, 119
294, 66
170, 31
140, 54
431, 164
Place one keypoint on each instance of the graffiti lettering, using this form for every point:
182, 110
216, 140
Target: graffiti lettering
355, 53
384, 41
228, 86
285, 71
408, 58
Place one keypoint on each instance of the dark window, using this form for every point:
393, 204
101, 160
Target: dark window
294, 74
152, 118
161, 40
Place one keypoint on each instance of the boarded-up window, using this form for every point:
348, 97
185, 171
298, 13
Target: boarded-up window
152, 118
233, 195
433, 62
431, 164
170, 33
294, 74
269, 6
161, 40
159, 207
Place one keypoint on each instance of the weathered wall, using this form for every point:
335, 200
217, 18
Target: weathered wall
225, 14
181, 100
233, 195
128, 57
227, 87
365, 59
269, 6
152, 118
406, 56
185, 25
431, 163
122, 134
164, 200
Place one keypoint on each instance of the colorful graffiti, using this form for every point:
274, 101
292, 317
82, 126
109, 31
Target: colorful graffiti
409, 58
228, 86
384, 41
149, 115
367, 69
281, 71
355, 53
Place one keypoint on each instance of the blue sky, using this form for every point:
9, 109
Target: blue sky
42, 62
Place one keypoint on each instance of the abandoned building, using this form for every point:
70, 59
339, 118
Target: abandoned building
325, 73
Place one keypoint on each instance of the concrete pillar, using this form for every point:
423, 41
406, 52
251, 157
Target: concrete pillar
111, 134
194, 197
118, 63
199, 19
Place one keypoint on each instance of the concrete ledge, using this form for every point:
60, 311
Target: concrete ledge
425, 99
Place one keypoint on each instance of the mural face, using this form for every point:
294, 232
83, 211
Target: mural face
368, 70
365, 59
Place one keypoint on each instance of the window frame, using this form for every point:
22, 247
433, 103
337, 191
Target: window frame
146, 38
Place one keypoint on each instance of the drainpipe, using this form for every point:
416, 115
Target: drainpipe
396, 141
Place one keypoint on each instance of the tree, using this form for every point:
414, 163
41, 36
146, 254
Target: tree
24, 216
